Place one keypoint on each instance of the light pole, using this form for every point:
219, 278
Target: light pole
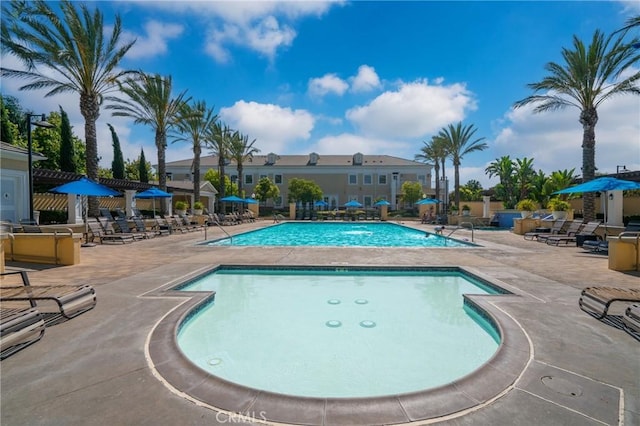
620, 169
42, 123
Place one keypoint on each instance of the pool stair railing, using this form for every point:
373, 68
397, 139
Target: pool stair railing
463, 225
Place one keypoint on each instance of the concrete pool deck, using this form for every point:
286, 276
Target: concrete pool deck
94, 369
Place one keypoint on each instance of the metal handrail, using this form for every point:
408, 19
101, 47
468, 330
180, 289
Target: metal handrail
217, 223
463, 227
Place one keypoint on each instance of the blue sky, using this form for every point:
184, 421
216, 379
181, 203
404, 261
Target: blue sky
374, 77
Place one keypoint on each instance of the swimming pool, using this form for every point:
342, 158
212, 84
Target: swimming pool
338, 333
339, 234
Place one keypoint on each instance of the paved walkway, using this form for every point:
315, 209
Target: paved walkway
94, 369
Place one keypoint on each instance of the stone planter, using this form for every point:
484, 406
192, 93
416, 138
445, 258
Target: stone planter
559, 215
181, 212
525, 214
466, 212
197, 212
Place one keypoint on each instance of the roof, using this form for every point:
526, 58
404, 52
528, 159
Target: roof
205, 185
18, 151
303, 160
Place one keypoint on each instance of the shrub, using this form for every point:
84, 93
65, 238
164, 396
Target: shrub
181, 205
198, 205
526, 205
558, 205
466, 207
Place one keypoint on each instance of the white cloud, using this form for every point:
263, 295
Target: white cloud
329, 83
366, 80
154, 41
414, 110
262, 26
348, 143
273, 126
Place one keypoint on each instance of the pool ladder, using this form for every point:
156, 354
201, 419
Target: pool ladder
219, 226
470, 225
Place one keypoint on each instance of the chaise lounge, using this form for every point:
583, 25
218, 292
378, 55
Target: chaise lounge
70, 300
596, 301
19, 328
587, 231
631, 320
556, 229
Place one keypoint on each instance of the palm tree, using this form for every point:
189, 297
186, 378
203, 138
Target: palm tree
192, 124
524, 175
149, 102
458, 141
591, 75
74, 46
218, 139
434, 150
240, 150
504, 169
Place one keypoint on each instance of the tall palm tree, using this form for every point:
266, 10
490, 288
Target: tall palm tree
218, 140
434, 150
458, 142
192, 124
504, 169
590, 75
150, 102
241, 150
74, 46
524, 176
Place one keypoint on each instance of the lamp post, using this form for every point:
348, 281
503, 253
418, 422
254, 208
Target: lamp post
42, 123
620, 169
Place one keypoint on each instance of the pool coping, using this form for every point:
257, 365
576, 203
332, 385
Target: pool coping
494, 379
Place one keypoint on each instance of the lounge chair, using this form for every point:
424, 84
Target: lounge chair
596, 301
112, 233
587, 230
632, 229
556, 229
574, 227
141, 227
163, 225
96, 230
71, 300
19, 328
631, 320
105, 212
123, 228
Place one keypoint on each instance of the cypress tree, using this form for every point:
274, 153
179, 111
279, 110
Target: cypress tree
142, 165
67, 154
117, 165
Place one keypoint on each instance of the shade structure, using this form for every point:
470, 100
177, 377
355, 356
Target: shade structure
321, 203
353, 203
602, 184
153, 193
250, 201
232, 199
382, 203
85, 186
427, 201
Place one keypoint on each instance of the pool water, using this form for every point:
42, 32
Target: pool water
340, 333
340, 235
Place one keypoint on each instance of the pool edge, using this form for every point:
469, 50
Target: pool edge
489, 382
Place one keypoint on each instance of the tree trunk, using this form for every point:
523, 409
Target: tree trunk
161, 145
196, 172
240, 185
436, 168
589, 119
90, 109
457, 183
222, 185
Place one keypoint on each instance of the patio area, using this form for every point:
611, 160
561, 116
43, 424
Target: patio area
95, 369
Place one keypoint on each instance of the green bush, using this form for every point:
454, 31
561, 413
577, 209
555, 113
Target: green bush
181, 205
198, 205
51, 217
558, 205
526, 205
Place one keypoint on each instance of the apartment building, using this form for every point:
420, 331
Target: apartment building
364, 178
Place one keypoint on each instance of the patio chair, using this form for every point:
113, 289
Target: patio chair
105, 212
19, 328
112, 233
556, 229
96, 231
631, 320
631, 230
572, 229
142, 227
596, 301
70, 300
589, 230
163, 225
123, 228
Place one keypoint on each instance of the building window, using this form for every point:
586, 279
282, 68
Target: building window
353, 179
234, 178
248, 179
368, 201
169, 176
277, 201
263, 176
368, 179
277, 179
382, 179
422, 179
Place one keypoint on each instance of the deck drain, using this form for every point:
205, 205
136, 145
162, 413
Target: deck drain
561, 386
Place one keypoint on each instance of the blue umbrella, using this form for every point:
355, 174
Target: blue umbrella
85, 186
232, 199
428, 201
382, 203
353, 203
321, 203
153, 193
602, 184
250, 201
